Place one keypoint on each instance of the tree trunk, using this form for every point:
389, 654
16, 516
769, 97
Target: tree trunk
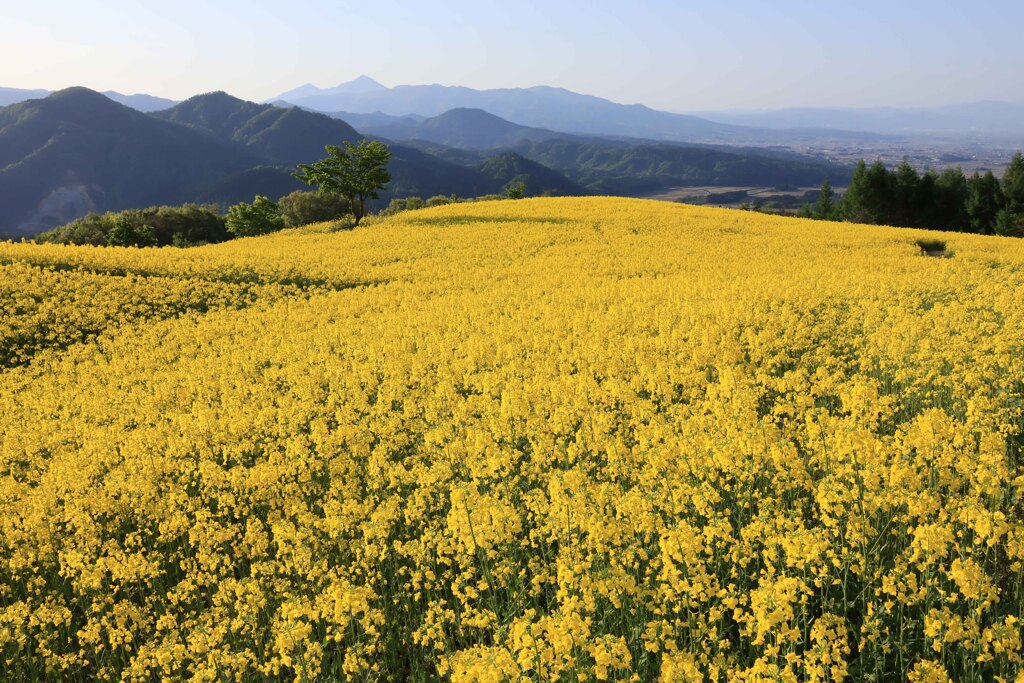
357, 208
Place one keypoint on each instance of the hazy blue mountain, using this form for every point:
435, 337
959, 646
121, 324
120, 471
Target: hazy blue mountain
975, 119
549, 108
78, 151
361, 85
462, 129
10, 96
542, 107
365, 123
139, 102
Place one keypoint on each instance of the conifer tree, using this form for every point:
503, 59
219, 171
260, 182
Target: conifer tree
824, 206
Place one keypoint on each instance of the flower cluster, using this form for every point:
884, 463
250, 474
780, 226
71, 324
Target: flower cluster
551, 440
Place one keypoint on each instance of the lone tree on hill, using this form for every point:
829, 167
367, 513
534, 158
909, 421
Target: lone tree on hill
355, 172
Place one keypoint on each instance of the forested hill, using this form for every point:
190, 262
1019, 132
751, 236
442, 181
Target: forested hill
288, 136
77, 151
607, 168
615, 167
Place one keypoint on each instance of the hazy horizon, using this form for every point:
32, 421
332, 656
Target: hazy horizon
698, 57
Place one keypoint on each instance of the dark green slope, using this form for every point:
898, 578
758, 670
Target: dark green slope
286, 136
418, 174
615, 168
509, 168
78, 151
634, 168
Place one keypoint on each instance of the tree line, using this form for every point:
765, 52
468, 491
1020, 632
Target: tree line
948, 200
194, 224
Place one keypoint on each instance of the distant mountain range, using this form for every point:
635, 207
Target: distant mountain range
77, 151
369, 105
564, 111
144, 103
555, 109
10, 96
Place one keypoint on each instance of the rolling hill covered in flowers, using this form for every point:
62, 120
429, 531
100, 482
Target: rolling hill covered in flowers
547, 439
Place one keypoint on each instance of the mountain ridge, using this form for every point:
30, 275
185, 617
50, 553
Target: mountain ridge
462, 128
553, 108
138, 101
77, 151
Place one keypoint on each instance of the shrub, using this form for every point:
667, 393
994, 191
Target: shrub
399, 205
303, 207
258, 218
516, 190
441, 200
127, 232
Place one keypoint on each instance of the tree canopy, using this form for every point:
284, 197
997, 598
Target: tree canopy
356, 171
258, 218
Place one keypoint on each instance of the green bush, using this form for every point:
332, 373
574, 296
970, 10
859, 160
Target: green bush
441, 200
303, 207
516, 190
130, 230
258, 218
399, 205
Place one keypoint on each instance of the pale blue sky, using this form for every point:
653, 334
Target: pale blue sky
672, 55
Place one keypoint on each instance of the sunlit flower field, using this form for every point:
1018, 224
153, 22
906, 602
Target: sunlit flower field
548, 439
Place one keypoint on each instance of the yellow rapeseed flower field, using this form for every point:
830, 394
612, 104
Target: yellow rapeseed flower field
550, 439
